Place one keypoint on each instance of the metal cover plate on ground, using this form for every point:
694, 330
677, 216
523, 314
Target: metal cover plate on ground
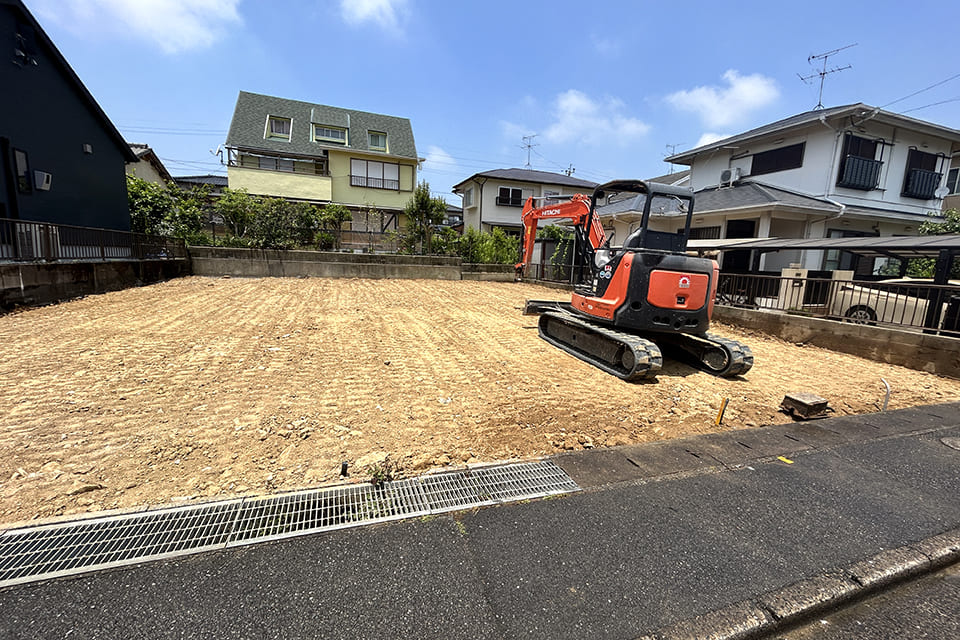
38, 553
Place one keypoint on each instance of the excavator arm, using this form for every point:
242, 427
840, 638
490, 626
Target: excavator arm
577, 209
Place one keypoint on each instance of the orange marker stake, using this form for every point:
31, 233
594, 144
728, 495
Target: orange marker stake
723, 408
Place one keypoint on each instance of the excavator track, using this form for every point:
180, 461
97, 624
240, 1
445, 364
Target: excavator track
606, 348
720, 356
625, 355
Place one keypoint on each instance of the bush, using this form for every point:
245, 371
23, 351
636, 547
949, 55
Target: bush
166, 211
488, 248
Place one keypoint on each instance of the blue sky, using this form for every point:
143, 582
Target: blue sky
607, 87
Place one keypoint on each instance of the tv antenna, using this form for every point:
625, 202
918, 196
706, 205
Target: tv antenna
672, 148
824, 72
528, 145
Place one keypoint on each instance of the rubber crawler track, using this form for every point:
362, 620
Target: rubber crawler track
644, 354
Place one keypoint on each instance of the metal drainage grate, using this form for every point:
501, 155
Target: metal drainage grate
50, 551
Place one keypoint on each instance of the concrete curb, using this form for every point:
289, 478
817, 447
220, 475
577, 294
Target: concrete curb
793, 604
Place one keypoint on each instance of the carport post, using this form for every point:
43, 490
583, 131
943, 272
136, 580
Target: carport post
941, 275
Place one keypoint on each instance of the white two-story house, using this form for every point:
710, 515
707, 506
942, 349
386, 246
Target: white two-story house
494, 199
847, 171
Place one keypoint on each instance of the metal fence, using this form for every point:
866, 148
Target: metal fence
372, 241
904, 304
26, 241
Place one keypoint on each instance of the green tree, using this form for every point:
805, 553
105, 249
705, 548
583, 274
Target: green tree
274, 224
166, 211
149, 203
332, 217
423, 215
238, 209
471, 246
501, 248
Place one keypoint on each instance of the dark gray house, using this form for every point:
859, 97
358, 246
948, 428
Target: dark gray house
61, 159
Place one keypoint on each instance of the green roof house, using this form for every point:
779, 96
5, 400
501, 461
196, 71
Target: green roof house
317, 153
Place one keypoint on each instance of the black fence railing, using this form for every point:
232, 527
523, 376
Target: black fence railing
374, 183
860, 173
26, 241
921, 184
903, 304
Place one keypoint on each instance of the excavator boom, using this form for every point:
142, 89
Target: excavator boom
576, 210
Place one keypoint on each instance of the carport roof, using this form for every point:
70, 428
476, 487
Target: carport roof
875, 247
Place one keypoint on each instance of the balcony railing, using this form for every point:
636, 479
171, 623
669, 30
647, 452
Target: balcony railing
25, 241
509, 202
921, 184
374, 183
860, 173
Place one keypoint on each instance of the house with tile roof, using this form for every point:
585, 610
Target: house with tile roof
494, 199
61, 159
323, 154
847, 171
148, 167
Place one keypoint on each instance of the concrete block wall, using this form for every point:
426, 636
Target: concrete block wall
45, 283
255, 263
912, 349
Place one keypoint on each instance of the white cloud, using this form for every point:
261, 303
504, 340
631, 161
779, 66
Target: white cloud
387, 14
582, 119
438, 159
709, 138
724, 106
173, 25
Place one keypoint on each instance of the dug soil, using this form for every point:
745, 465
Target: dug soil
201, 387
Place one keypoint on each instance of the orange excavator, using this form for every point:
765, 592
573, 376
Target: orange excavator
632, 300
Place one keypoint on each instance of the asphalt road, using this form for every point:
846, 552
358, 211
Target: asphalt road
614, 561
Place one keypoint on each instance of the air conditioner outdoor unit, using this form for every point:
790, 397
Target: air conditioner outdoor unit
42, 180
729, 176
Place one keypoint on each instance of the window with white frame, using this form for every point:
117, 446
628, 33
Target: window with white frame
278, 128
510, 197
378, 141
468, 197
953, 181
374, 174
325, 133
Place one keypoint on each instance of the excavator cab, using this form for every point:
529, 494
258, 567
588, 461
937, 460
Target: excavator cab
645, 204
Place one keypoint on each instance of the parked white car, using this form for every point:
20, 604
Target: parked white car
900, 301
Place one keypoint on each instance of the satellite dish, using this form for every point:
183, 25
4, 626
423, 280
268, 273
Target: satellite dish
942, 192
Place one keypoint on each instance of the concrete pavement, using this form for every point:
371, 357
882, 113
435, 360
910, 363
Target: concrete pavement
727, 530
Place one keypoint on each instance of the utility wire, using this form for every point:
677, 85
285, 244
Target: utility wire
937, 84
932, 104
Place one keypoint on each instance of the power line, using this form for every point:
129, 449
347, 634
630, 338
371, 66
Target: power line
936, 84
932, 104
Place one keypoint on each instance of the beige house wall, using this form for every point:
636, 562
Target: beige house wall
280, 184
145, 171
344, 193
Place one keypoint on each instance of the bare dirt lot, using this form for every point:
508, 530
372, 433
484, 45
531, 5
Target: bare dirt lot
204, 387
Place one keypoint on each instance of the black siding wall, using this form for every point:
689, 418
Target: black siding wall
44, 114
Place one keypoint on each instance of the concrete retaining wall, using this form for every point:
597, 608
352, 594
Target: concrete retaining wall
255, 263
495, 272
913, 349
45, 283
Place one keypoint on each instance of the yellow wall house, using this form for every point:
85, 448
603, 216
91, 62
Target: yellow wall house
321, 154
